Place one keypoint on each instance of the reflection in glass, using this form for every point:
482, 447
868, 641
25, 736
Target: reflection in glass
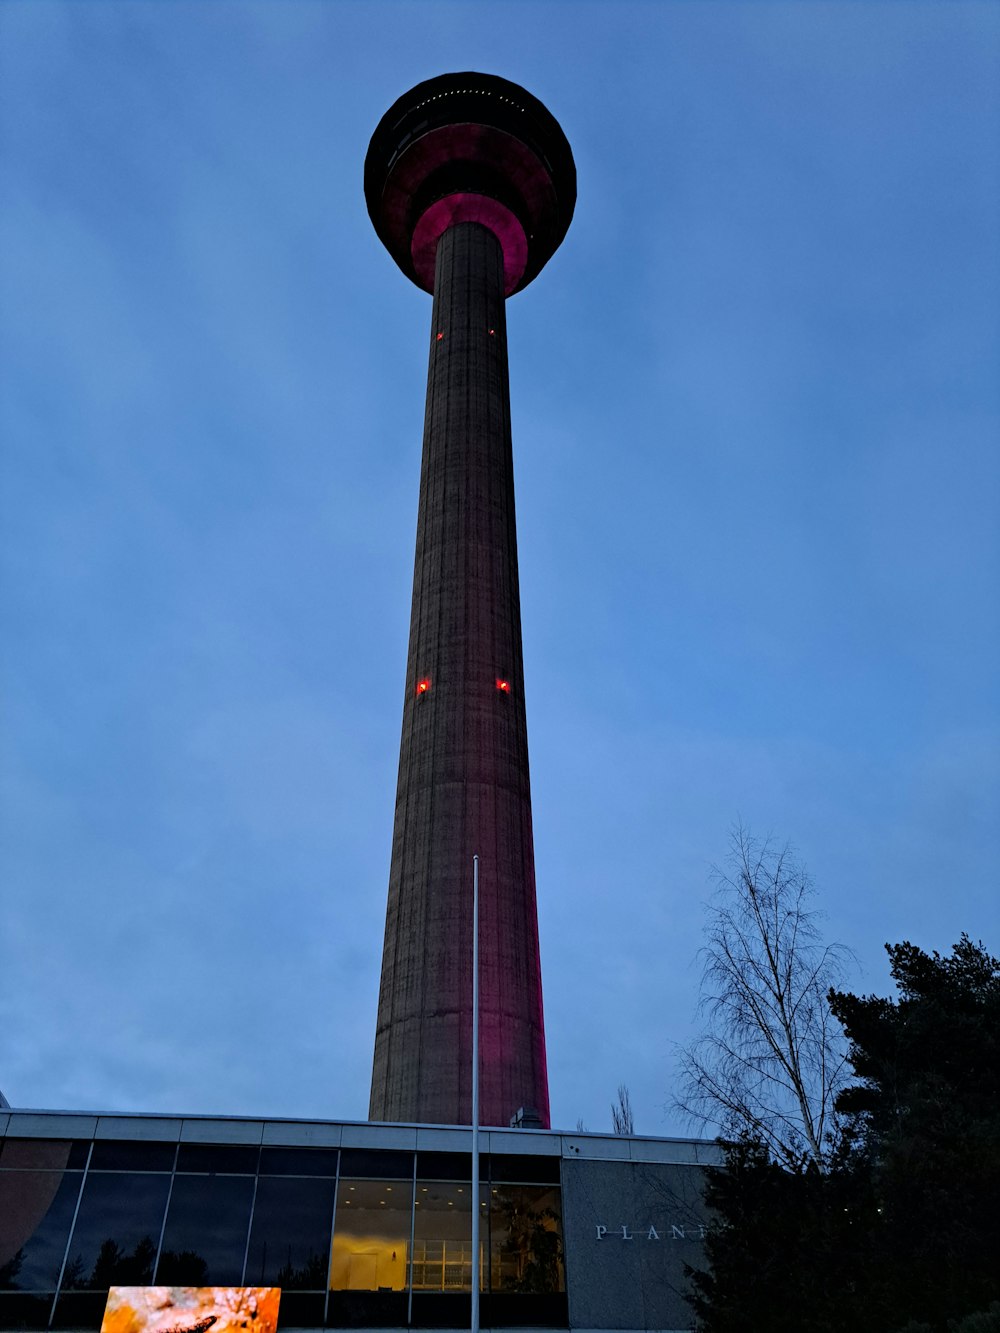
42, 1155
205, 1238
442, 1236
526, 1239
117, 1230
371, 1236
36, 1212
290, 1240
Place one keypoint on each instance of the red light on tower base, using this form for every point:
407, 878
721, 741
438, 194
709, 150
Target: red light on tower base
503, 686
423, 686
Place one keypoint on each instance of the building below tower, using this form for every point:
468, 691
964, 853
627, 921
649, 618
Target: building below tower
361, 1226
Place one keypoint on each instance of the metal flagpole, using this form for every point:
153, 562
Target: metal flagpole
475, 1094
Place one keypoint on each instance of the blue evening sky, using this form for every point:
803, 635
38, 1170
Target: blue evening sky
755, 401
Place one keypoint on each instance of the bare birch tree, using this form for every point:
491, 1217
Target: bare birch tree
622, 1120
772, 1056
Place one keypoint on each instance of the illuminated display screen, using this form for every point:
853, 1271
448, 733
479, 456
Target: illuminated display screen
191, 1310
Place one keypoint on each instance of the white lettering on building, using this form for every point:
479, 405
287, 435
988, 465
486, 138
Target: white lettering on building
628, 1231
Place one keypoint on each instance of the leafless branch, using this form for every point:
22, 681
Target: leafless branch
771, 1058
622, 1121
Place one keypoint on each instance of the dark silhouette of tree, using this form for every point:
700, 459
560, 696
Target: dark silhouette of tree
10, 1270
182, 1269
900, 1231
73, 1276
622, 1120
788, 1249
925, 1115
115, 1266
531, 1241
310, 1276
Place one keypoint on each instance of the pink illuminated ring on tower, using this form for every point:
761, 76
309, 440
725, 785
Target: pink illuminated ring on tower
454, 208
470, 148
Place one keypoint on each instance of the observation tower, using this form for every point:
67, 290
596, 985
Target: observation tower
471, 185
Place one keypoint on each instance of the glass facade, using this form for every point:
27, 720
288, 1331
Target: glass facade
117, 1231
354, 1238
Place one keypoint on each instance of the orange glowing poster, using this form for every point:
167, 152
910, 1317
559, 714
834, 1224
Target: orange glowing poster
191, 1310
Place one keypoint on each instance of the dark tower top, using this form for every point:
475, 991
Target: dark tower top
470, 183
470, 148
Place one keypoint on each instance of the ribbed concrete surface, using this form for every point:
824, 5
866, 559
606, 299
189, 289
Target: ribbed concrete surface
463, 767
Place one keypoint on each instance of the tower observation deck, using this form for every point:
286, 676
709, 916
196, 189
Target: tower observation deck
471, 185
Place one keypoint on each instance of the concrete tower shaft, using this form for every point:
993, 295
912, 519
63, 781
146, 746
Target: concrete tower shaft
463, 769
480, 203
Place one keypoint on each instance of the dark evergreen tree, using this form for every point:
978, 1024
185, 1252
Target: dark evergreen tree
789, 1250
926, 1116
901, 1232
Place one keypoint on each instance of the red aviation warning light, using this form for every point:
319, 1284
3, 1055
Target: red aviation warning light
439, 337
423, 686
503, 686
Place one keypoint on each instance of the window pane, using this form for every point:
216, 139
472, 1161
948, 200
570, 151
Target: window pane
524, 1169
290, 1241
444, 1165
206, 1232
360, 1163
36, 1212
526, 1239
117, 1231
298, 1161
298, 1311
237, 1159
42, 1155
110, 1155
371, 1238
24, 1311
80, 1309
442, 1236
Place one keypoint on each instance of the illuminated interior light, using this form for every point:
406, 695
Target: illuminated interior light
503, 686
423, 685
